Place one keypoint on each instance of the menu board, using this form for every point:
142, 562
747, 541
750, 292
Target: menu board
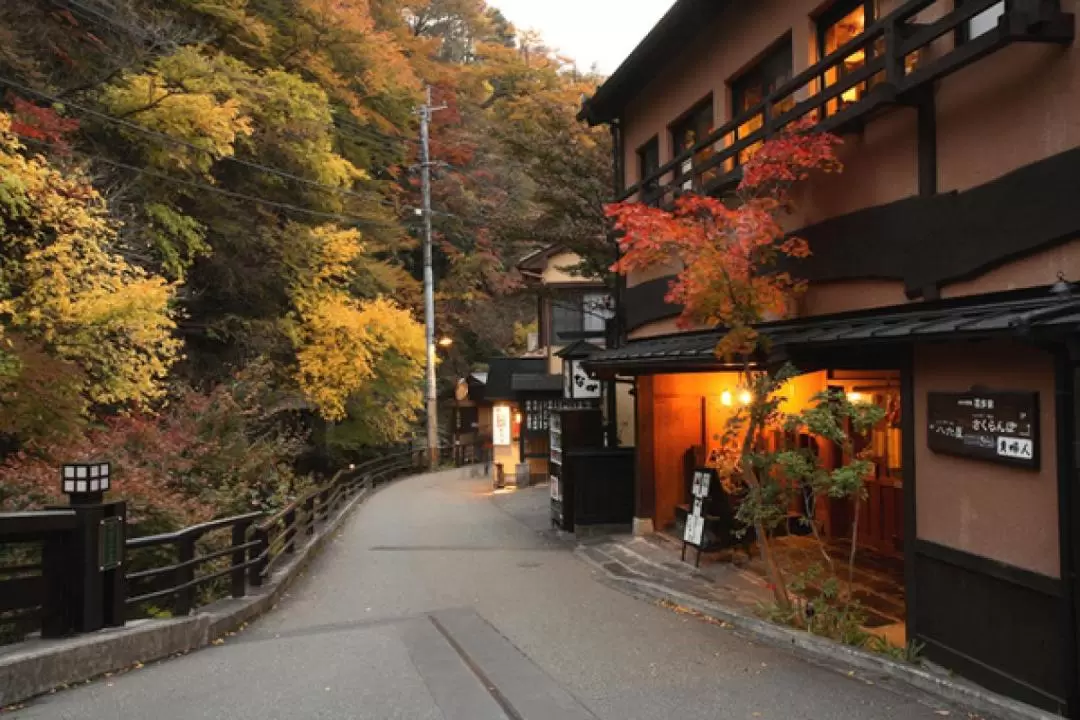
695, 520
1001, 427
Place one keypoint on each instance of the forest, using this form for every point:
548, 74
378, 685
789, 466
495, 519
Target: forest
210, 237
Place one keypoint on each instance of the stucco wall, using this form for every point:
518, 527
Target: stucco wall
992, 510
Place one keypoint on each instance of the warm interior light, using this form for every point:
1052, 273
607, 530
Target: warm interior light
851, 95
856, 58
517, 417
855, 397
725, 398
745, 397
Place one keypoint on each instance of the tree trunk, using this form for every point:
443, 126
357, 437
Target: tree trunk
854, 545
776, 577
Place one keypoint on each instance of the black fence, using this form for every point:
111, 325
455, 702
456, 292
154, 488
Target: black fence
58, 575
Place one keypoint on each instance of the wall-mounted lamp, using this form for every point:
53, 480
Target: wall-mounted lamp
725, 398
517, 417
745, 397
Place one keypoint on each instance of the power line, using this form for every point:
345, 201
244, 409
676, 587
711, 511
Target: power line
177, 141
210, 188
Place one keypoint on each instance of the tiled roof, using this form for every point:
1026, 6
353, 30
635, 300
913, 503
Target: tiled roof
1043, 313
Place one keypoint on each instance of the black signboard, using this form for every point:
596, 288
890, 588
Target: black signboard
1000, 427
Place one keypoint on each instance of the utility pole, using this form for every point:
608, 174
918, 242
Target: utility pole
429, 282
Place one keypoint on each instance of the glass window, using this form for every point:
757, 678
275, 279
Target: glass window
839, 26
566, 318
596, 310
648, 163
751, 89
695, 126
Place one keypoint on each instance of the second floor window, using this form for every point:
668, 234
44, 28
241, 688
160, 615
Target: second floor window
841, 24
750, 90
573, 314
695, 126
648, 156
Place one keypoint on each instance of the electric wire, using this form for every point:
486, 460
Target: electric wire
177, 141
210, 188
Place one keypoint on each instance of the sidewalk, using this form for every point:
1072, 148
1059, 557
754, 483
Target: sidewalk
655, 559
731, 595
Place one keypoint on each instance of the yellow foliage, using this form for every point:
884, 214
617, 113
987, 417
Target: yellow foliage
61, 286
346, 347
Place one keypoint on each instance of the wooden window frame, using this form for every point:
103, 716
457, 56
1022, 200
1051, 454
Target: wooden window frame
762, 72
824, 21
644, 169
675, 128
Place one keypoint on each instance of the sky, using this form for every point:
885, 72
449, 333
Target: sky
590, 31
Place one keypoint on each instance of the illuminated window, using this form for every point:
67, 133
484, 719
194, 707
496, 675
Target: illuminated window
750, 90
844, 22
982, 23
695, 126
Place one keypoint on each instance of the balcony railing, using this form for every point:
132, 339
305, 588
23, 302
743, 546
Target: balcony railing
899, 60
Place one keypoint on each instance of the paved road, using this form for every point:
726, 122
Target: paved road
441, 601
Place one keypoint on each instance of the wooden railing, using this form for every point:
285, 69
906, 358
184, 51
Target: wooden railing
62, 573
899, 62
34, 569
198, 558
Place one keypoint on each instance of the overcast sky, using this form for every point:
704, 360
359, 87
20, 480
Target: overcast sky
590, 31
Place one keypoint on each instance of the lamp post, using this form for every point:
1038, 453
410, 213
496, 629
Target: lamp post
95, 556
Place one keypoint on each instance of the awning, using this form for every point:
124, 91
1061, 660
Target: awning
1043, 313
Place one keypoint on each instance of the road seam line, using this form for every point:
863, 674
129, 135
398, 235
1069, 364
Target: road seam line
495, 693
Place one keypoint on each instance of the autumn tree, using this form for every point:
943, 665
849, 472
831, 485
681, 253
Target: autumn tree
68, 298
734, 259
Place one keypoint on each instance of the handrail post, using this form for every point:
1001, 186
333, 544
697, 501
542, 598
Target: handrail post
57, 619
309, 513
185, 573
290, 531
259, 556
238, 581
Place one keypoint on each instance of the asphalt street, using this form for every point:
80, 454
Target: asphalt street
441, 600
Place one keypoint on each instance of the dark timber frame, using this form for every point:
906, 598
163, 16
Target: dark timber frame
1024, 21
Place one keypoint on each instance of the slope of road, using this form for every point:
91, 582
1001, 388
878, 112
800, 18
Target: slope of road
439, 600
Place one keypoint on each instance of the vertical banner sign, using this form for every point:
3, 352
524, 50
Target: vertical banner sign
500, 419
1000, 427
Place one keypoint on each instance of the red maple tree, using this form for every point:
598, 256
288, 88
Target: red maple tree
726, 255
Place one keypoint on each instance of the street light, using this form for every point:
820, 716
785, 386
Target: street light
445, 342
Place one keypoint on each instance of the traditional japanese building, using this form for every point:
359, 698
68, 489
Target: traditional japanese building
522, 392
941, 287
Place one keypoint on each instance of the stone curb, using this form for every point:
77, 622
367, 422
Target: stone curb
49, 664
833, 655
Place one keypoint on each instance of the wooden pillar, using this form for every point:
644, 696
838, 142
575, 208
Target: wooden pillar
645, 480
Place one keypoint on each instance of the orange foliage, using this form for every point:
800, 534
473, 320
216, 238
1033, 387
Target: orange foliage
730, 252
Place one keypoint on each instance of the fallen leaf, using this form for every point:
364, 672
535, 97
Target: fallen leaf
941, 712
218, 641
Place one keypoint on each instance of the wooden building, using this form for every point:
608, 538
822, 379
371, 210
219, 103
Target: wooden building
941, 286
